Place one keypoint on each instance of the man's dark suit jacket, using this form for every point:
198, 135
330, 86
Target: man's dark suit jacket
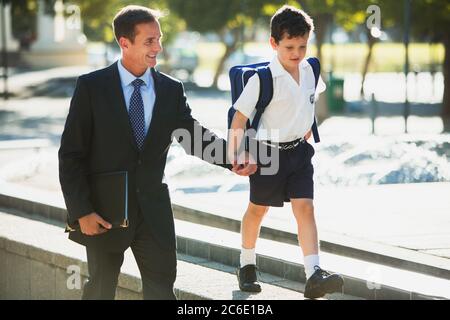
98, 138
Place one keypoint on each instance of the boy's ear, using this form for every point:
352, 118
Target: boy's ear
273, 43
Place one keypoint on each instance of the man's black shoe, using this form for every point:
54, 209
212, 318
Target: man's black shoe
247, 279
321, 283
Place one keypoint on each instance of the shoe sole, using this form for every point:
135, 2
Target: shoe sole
246, 290
335, 286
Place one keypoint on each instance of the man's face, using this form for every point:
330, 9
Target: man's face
291, 51
146, 46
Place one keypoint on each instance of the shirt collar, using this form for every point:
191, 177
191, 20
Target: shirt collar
126, 77
278, 70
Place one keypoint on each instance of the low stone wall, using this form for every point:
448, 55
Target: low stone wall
44, 265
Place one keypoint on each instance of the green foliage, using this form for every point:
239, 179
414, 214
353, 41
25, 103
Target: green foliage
24, 18
431, 17
215, 16
97, 16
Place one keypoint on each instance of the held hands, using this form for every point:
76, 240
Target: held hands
244, 164
93, 224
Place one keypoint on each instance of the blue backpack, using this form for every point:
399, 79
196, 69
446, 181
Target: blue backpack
239, 76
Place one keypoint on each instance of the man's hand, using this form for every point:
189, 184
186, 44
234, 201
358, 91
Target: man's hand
93, 224
244, 165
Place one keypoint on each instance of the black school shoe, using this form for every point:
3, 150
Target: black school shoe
323, 282
247, 279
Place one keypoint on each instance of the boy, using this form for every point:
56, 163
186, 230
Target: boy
291, 114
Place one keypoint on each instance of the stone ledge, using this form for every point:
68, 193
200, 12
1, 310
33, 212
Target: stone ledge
35, 268
49, 206
364, 279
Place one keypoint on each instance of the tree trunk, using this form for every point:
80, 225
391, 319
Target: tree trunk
370, 42
229, 49
446, 99
321, 23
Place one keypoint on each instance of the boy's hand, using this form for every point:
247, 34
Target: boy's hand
244, 165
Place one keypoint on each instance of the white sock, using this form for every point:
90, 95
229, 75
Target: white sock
310, 262
248, 256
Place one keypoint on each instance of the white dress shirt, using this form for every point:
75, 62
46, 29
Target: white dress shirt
147, 91
290, 114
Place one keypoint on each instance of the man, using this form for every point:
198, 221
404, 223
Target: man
122, 118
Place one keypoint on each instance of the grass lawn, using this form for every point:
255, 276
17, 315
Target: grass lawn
387, 57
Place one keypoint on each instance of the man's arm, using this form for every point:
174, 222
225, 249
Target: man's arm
73, 158
199, 137
201, 142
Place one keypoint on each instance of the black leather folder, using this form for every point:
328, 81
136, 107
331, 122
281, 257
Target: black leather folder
109, 197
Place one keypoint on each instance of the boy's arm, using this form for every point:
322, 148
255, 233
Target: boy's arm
245, 105
243, 163
236, 134
308, 135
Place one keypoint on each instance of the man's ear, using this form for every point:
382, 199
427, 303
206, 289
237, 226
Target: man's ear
124, 43
273, 43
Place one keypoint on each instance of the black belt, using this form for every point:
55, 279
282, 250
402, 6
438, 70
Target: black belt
284, 145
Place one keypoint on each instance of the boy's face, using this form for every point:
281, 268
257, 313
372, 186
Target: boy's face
291, 51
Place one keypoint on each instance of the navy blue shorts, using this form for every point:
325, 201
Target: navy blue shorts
293, 180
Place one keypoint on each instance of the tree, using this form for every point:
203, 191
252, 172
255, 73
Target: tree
97, 16
227, 18
324, 14
349, 16
431, 18
23, 14
352, 14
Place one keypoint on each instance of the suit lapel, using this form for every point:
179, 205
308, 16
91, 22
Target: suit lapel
114, 91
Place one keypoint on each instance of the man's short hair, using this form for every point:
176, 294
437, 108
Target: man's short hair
291, 22
127, 18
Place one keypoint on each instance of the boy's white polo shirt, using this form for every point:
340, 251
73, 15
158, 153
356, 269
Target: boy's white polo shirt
291, 112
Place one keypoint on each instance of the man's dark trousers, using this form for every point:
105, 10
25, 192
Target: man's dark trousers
157, 267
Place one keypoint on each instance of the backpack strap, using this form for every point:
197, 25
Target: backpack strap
315, 64
265, 94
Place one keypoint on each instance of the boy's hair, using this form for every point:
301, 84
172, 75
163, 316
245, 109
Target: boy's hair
290, 21
128, 17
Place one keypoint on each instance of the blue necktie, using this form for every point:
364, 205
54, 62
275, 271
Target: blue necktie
136, 113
